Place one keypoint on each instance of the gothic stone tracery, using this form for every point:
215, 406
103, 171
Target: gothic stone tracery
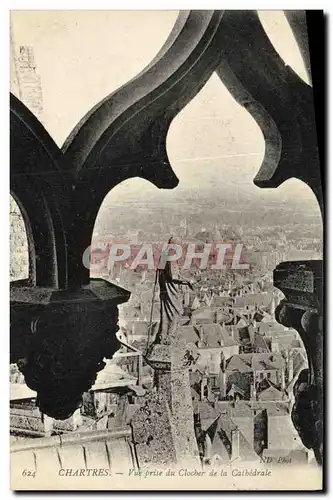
61, 190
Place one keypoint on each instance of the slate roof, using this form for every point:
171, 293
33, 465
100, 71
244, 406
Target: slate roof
235, 389
273, 408
261, 342
189, 333
222, 301
218, 448
208, 414
241, 409
213, 335
253, 299
204, 313
140, 345
227, 425
269, 327
141, 328
240, 381
270, 393
267, 361
240, 362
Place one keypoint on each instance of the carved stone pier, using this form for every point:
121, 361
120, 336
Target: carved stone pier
302, 309
175, 430
60, 337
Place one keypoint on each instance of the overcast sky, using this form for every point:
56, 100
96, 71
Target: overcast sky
82, 56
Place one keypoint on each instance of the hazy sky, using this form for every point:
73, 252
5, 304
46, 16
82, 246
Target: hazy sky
82, 56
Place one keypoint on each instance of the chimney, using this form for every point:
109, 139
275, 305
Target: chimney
223, 362
290, 368
253, 391
140, 368
186, 297
204, 382
283, 377
77, 419
235, 444
223, 379
208, 447
48, 425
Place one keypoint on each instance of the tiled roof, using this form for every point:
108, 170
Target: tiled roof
269, 327
235, 389
267, 361
253, 299
242, 381
141, 344
222, 301
218, 448
227, 338
241, 409
212, 335
260, 341
189, 333
246, 452
270, 393
240, 362
273, 408
227, 425
210, 314
208, 414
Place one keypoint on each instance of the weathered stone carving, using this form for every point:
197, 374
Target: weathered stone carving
302, 309
170, 357
60, 191
277, 98
60, 337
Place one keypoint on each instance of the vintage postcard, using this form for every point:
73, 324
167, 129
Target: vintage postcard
166, 240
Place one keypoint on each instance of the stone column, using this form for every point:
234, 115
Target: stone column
171, 439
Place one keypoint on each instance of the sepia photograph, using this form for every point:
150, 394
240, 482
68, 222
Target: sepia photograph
166, 250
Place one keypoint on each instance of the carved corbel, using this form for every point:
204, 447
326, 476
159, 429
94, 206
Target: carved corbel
63, 322
302, 285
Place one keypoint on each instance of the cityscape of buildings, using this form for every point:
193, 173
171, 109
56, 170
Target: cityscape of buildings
246, 363
241, 384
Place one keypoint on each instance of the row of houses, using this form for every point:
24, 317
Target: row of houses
247, 432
